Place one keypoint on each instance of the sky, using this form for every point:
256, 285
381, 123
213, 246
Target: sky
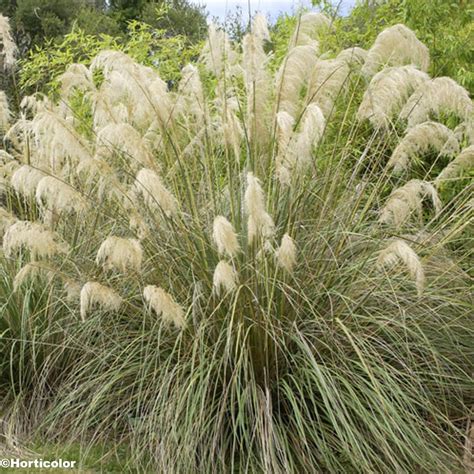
271, 8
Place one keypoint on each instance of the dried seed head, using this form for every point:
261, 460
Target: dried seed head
396, 46
95, 294
399, 250
435, 97
420, 139
149, 185
225, 237
388, 92
463, 162
41, 242
225, 277
164, 305
286, 254
25, 180
260, 222
124, 255
408, 199
55, 195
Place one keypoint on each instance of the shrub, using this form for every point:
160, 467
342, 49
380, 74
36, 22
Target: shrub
240, 283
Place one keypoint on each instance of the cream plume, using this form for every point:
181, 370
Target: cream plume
76, 76
25, 180
41, 242
260, 222
5, 113
123, 139
293, 76
31, 272
164, 305
225, 278
218, 54
388, 92
408, 199
308, 29
298, 153
55, 195
396, 46
420, 139
463, 162
260, 27
224, 237
257, 80
433, 98
149, 185
95, 294
326, 82
353, 56
9, 47
397, 251
124, 255
286, 254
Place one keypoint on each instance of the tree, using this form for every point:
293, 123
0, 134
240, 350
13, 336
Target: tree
178, 17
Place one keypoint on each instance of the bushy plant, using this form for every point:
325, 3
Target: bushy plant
240, 279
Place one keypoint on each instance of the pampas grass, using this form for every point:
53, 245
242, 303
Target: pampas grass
228, 277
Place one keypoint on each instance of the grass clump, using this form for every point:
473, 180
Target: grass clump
233, 279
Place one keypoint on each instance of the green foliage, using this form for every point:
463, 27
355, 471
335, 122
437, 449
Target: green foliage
178, 18
445, 27
43, 66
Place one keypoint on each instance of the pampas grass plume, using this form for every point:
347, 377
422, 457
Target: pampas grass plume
96, 294
225, 277
399, 250
224, 237
164, 305
124, 255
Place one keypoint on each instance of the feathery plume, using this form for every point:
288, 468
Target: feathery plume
353, 56
225, 237
191, 100
9, 47
5, 113
257, 80
397, 251
25, 180
149, 185
286, 254
293, 76
76, 76
434, 97
260, 27
123, 139
39, 241
396, 46
225, 277
95, 294
406, 200
421, 138
73, 290
260, 222
387, 93
121, 254
463, 162
326, 82
55, 195
31, 272
217, 53
164, 305
308, 29
298, 153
